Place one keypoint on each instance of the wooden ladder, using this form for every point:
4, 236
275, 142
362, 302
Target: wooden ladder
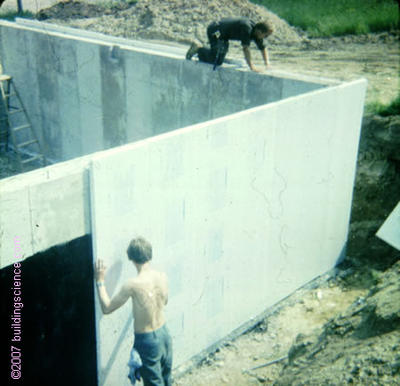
23, 138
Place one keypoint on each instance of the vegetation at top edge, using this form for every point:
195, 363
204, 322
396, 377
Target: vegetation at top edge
324, 18
384, 110
11, 15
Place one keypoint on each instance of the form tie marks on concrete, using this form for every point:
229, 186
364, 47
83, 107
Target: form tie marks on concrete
390, 229
241, 181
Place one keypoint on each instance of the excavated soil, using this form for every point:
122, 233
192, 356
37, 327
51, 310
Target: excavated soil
359, 346
178, 21
344, 328
332, 334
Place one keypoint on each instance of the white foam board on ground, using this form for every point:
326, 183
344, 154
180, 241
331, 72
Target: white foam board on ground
390, 229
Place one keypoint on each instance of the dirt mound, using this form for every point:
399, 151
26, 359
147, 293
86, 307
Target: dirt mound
81, 10
361, 346
376, 190
173, 20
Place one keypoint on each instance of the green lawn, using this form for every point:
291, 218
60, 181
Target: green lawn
392, 108
322, 18
11, 15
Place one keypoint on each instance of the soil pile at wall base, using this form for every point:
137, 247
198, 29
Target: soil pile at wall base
173, 20
360, 346
376, 192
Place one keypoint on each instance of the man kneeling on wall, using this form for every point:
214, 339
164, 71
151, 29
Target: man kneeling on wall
149, 294
219, 34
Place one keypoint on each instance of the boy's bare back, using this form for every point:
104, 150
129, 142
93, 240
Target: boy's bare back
149, 293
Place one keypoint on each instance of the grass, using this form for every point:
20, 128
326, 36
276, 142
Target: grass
11, 15
393, 108
324, 18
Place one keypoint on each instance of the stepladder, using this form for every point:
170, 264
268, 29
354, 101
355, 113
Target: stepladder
16, 128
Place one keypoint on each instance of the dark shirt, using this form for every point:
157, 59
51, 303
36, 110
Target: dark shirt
239, 29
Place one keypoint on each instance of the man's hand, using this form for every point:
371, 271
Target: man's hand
99, 270
118, 300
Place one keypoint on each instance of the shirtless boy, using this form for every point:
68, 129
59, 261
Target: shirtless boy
149, 294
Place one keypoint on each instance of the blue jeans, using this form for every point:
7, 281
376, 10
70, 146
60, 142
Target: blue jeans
155, 350
218, 48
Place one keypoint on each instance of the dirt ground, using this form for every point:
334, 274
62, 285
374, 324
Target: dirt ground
374, 57
343, 329
304, 312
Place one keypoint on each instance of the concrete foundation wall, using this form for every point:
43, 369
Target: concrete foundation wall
58, 339
44, 208
241, 210
88, 93
237, 221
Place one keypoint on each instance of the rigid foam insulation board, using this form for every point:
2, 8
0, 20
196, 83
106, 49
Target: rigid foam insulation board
390, 229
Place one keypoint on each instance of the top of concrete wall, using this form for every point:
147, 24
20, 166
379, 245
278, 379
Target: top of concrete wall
165, 49
86, 92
